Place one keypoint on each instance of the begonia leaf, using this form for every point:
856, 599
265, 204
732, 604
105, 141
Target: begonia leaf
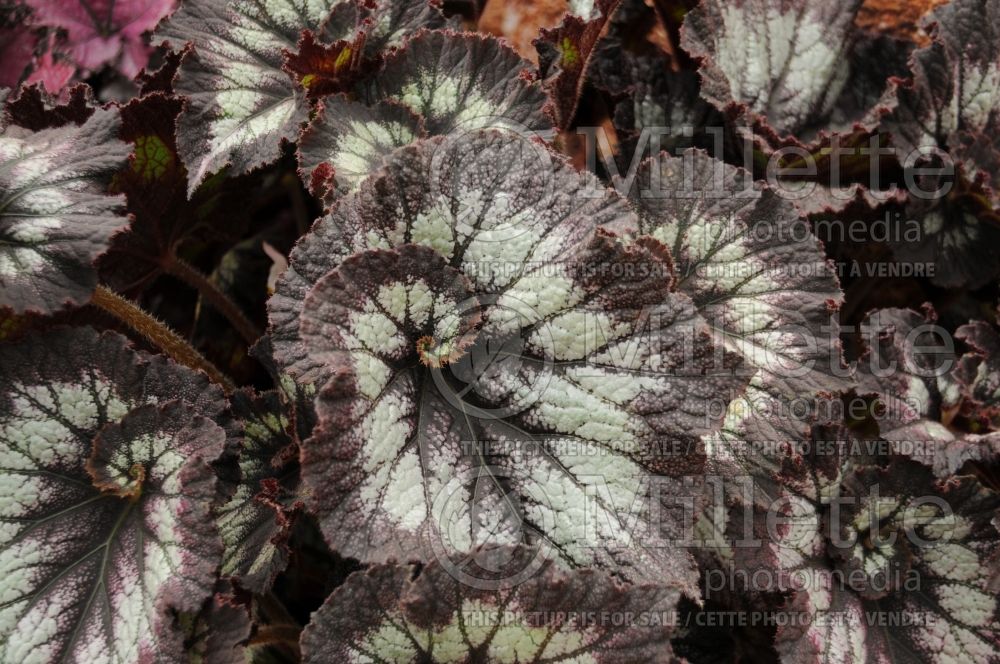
56, 217
460, 381
107, 522
583, 616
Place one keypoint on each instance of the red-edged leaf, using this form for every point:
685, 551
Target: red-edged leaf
760, 278
978, 374
439, 82
105, 455
950, 104
348, 140
241, 105
564, 55
910, 369
55, 215
796, 71
256, 521
33, 108
461, 81
952, 98
904, 570
385, 23
468, 386
385, 614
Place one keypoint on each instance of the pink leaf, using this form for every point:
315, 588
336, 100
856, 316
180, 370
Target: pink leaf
51, 73
99, 31
17, 45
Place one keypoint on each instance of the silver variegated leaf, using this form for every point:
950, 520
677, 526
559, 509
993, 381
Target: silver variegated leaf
488, 201
461, 82
108, 496
889, 565
256, 521
384, 614
796, 68
440, 82
658, 104
908, 365
912, 370
759, 277
386, 23
348, 140
957, 238
952, 101
55, 215
497, 365
241, 105
978, 374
